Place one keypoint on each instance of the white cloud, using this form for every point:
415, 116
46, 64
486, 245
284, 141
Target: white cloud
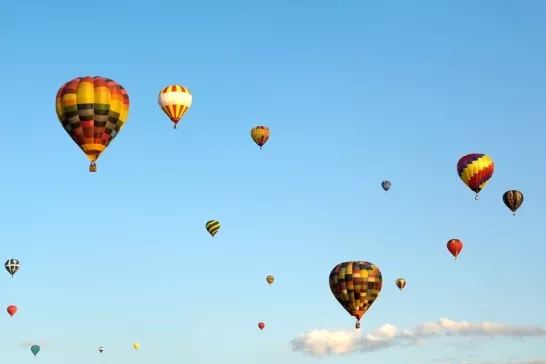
29, 343
326, 342
532, 361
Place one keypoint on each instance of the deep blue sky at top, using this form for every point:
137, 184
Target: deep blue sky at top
354, 92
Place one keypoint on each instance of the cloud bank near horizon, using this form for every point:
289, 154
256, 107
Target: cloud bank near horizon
320, 343
532, 361
29, 343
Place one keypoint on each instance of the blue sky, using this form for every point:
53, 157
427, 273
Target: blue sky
354, 92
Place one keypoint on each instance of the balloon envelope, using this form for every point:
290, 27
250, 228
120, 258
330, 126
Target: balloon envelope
356, 285
513, 200
92, 111
455, 246
12, 266
475, 170
212, 227
35, 349
260, 135
12, 310
175, 100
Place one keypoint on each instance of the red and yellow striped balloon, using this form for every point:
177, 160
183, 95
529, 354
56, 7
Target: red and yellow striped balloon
175, 100
475, 170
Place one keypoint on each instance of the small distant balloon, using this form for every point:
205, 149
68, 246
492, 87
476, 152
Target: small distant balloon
12, 310
35, 349
12, 266
260, 135
513, 200
270, 279
212, 227
455, 246
386, 185
136, 346
400, 283
261, 325
101, 349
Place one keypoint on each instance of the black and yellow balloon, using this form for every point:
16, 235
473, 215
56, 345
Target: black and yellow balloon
513, 200
400, 283
212, 227
270, 279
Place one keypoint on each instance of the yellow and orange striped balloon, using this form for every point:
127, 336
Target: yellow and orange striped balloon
175, 100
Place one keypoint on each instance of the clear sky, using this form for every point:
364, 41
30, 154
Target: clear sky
354, 92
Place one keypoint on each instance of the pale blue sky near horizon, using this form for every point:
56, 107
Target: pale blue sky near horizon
354, 92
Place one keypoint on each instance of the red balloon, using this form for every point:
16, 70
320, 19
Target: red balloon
455, 246
12, 310
261, 325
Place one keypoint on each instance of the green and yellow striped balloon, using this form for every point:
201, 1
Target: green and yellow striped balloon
212, 227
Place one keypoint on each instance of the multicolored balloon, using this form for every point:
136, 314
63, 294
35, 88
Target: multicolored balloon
35, 349
513, 200
356, 285
92, 110
12, 266
386, 185
400, 283
212, 227
101, 349
175, 100
270, 279
455, 246
12, 310
260, 135
475, 170
261, 325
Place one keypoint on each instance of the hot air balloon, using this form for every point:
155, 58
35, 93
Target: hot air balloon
101, 349
356, 285
513, 200
136, 346
12, 266
455, 246
400, 283
175, 100
260, 135
475, 170
12, 310
261, 325
92, 110
386, 185
212, 227
35, 349
270, 279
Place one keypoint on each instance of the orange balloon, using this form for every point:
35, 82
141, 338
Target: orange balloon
12, 310
455, 246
